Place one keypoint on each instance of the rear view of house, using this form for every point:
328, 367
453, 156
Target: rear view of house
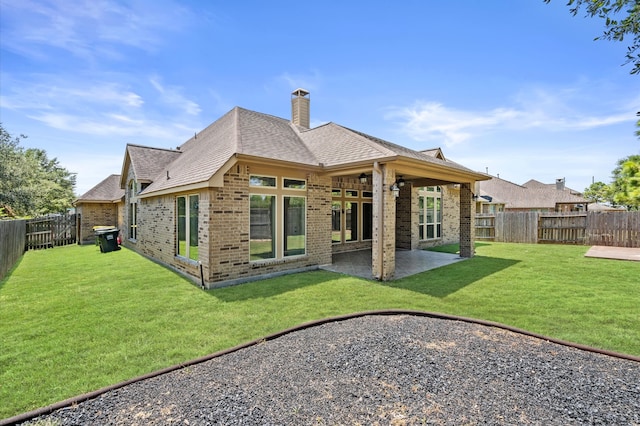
253, 195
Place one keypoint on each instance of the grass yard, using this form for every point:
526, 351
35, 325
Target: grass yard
73, 320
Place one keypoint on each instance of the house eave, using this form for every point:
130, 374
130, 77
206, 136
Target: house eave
175, 189
251, 159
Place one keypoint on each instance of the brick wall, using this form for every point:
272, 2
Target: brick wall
406, 217
223, 235
467, 231
96, 214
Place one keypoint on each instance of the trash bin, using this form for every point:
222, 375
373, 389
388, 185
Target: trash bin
107, 239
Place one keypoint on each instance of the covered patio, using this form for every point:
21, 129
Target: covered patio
408, 262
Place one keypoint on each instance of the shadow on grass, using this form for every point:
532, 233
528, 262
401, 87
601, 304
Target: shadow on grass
442, 282
452, 248
9, 272
271, 287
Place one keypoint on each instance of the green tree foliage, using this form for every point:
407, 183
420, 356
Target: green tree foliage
30, 183
598, 192
621, 18
626, 183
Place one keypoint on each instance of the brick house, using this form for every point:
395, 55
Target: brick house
102, 205
254, 195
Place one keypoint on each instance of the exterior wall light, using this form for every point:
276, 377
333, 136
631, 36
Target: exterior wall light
363, 178
395, 189
401, 182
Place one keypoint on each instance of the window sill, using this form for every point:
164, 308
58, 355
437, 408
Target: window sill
269, 262
186, 260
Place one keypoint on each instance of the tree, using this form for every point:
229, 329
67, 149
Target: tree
625, 187
31, 183
598, 192
14, 194
621, 18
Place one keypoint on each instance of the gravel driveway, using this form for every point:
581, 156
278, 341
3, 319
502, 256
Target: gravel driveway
387, 370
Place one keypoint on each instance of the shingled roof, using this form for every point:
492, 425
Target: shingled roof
534, 195
251, 134
147, 162
107, 191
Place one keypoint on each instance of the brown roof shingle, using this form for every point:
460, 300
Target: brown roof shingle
531, 196
250, 133
107, 191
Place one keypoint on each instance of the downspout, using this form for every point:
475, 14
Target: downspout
380, 248
202, 285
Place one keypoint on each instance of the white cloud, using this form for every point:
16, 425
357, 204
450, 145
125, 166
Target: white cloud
534, 109
99, 108
427, 121
87, 28
171, 96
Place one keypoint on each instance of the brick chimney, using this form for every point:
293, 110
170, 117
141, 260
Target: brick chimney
300, 108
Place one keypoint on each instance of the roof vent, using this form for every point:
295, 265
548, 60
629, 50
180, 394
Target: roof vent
300, 112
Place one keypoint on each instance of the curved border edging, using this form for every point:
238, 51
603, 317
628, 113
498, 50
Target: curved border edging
20, 418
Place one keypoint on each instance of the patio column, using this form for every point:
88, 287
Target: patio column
383, 244
466, 221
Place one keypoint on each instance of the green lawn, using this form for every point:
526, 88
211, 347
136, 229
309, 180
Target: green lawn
73, 319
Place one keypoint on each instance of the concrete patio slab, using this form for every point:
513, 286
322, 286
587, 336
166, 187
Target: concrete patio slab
619, 253
408, 262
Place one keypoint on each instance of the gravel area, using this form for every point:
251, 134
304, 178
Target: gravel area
387, 370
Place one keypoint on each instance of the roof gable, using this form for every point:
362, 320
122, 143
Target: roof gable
146, 162
434, 152
107, 191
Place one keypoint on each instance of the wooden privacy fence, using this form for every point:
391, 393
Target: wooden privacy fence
620, 229
51, 231
12, 243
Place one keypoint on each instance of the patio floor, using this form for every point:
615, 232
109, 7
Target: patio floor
408, 262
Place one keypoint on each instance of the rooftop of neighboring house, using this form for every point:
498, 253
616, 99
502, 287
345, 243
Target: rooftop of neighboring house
107, 191
532, 194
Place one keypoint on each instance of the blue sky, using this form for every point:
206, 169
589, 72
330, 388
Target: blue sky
520, 89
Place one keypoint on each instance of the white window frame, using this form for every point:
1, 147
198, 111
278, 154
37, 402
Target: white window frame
424, 193
187, 200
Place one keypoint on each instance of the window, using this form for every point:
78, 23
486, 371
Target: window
367, 221
187, 208
264, 225
430, 213
133, 221
295, 213
294, 184
349, 222
266, 181
133, 211
336, 222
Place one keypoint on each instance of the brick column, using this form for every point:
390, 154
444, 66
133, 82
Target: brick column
383, 245
466, 221
404, 218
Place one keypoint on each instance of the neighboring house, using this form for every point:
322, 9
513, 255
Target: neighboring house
254, 195
102, 205
496, 195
